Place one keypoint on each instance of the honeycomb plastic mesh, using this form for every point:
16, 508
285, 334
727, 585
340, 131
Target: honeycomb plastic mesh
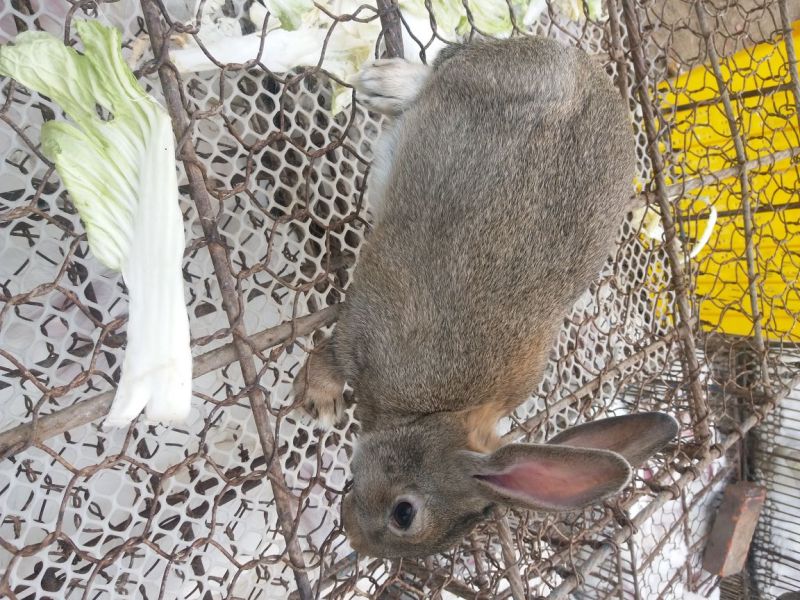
218, 509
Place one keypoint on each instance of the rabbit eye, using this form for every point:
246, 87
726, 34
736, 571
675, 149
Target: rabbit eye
403, 514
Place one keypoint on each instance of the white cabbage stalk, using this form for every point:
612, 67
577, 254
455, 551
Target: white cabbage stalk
289, 13
120, 174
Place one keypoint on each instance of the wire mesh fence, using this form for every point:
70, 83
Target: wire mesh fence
773, 451
243, 500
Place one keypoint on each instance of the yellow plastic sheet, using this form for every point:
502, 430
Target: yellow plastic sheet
702, 142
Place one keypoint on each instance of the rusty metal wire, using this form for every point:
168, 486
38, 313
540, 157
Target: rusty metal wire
243, 501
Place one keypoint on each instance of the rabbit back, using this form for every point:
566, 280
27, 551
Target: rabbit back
510, 175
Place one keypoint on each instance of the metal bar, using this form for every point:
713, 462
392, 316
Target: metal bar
768, 208
634, 571
510, 559
687, 527
699, 403
762, 92
331, 574
231, 299
617, 585
677, 190
616, 51
791, 58
475, 550
668, 588
744, 183
80, 413
392, 27
446, 581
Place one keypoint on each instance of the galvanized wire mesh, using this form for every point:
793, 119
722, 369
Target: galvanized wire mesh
243, 501
774, 458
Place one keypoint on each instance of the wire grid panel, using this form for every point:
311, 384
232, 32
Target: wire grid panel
663, 558
190, 512
777, 538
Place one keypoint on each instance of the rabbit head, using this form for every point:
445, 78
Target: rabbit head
417, 490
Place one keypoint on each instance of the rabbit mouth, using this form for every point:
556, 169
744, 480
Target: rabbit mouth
469, 520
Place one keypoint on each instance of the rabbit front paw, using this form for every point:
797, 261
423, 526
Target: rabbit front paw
388, 86
319, 390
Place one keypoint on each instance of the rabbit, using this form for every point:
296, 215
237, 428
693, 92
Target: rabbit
500, 185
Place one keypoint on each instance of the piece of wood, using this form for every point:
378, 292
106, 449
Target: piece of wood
732, 532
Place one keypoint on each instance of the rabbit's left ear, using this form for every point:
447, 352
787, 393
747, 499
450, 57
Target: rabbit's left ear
636, 437
546, 477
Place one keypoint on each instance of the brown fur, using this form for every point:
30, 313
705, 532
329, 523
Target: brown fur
512, 389
502, 184
481, 426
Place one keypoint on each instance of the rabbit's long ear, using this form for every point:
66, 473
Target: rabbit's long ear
636, 437
547, 477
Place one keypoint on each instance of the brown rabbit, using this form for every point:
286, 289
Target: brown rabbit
500, 189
